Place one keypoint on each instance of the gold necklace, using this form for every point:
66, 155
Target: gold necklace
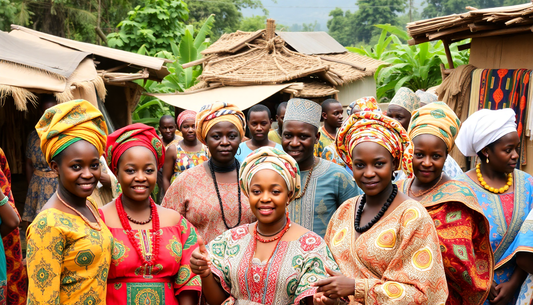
308, 179
96, 227
422, 193
484, 184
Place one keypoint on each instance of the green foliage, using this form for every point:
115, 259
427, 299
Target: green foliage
436, 8
255, 23
153, 26
415, 67
228, 14
8, 11
338, 26
150, 109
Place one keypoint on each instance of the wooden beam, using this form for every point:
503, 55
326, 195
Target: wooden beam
465, 46
438, 34
194, 63
417, 40
356, 66
508, 31
446, 43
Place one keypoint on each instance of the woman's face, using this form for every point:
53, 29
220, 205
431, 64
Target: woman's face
268, 196
399, 114
223, 141
137, 173
78, 168
503, 155
428, 158
188, 130
372, 167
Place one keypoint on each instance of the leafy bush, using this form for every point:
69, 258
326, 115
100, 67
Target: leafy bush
415, 67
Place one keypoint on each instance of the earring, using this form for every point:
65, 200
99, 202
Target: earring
487, 159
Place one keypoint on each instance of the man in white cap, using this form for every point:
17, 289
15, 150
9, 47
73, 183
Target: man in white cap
325, 185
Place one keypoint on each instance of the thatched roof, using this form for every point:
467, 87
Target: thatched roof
249, 58
475, 23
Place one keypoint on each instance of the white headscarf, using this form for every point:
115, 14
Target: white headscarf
483, 128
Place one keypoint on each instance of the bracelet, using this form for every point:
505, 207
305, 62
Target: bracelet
4, 201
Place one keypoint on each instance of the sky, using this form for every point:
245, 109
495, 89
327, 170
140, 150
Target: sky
289, 12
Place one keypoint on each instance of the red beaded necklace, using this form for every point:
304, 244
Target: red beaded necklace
151, 254
254, 247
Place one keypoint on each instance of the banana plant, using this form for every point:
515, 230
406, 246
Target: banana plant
150, 109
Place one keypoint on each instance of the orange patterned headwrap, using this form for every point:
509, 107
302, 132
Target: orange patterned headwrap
211, 114
378, 128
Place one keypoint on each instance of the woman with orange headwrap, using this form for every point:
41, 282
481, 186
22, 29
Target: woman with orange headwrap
384, 242
208, 195
186, 153
69, 246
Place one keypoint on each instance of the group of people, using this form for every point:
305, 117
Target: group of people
323, 209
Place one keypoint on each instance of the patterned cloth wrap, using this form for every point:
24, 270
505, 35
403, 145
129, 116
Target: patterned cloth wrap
273, 159
367, 103
133, 135
435, 119
406, 99
187, 114
378, 128
211, 114
426, 97
483, 128
67, 123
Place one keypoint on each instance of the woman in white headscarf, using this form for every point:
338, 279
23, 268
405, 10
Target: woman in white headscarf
504, 193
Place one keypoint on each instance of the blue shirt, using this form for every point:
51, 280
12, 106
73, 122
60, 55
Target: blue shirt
244, 151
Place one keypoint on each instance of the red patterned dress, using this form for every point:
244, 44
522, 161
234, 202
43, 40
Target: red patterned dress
17, 278
131, 283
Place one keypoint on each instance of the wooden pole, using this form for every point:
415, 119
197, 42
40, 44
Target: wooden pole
446, 44
270, 29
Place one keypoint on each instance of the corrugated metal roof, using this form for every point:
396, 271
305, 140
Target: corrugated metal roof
312, 43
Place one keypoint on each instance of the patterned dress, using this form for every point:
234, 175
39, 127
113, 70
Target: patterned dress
131, 283
464, 240
325, 140
43, 183
397, 261
68, 261
506, 214
293, 267
17, 278
194, 196
186, 160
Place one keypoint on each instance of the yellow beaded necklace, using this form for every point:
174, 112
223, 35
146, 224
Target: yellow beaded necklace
484, 184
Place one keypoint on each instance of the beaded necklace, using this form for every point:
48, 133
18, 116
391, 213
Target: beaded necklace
211, 167
376, 218
422, 193
151, 251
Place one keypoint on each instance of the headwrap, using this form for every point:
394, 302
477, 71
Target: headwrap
67, 123
367, 103
483, 128
426, 97
211, 114
435, 119
406, 99
133, 135
187, 114
273, 159
378, 128
299, 109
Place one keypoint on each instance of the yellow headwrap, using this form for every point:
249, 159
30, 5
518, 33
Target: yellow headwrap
436, 119
211, 114
67, 123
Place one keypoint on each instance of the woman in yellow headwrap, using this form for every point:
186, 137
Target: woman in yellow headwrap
208, 195
69, 246
385, 243
295, 257
462, 227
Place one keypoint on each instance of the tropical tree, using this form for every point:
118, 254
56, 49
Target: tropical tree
150, 109
415, 67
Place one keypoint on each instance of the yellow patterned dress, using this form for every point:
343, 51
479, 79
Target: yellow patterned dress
68, 261
397, 261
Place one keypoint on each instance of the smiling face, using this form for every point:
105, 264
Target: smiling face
137, 173
399, 114
503, 155
167, 128
333, 115
223, 141
429, 157
299, 140
188, 130
372, 167
78, 167
268, 196
259, 125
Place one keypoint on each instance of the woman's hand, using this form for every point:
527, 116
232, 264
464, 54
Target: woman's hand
320, 299
506, 291
336, 286
493, 292
200, 263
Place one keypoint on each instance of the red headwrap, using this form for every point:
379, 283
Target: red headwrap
133, 135
187, 114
